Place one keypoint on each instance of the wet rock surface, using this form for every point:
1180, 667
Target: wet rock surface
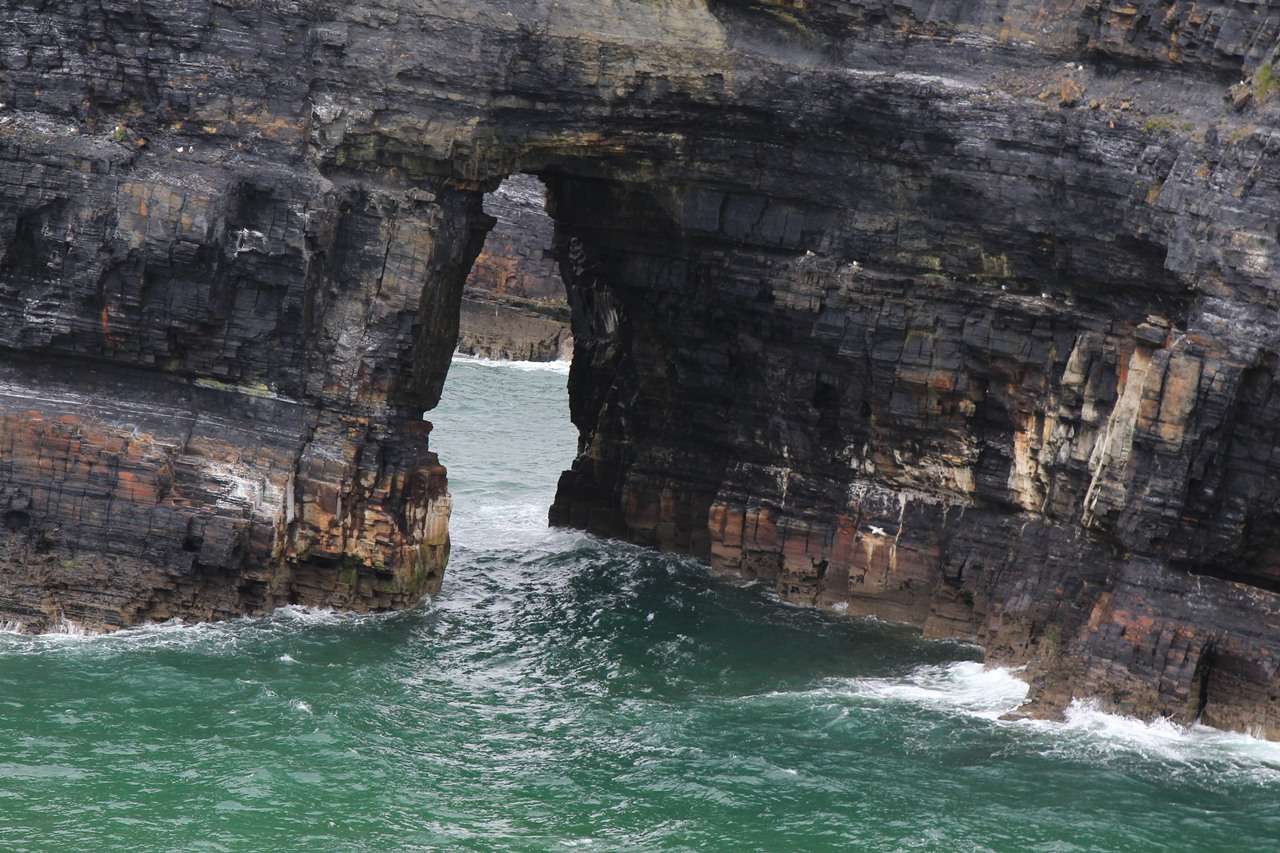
962, 316
514, 304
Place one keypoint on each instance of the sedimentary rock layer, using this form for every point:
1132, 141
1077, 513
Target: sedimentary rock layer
959, 315
514, 305
131, 498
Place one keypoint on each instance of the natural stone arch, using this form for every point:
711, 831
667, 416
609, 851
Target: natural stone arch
941, 343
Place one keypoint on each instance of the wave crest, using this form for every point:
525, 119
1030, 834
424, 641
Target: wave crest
527, 366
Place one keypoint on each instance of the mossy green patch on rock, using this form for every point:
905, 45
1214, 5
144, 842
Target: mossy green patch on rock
1265, 82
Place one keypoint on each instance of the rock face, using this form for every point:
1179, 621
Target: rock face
962, 315
514, 305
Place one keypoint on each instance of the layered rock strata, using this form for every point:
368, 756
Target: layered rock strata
961, 316
514, 305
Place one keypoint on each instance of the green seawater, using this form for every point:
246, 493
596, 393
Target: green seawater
568, 692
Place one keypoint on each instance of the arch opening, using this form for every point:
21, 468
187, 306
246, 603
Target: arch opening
514, 306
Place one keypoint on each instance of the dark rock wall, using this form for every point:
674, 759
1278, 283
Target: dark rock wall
962, 315
514, 305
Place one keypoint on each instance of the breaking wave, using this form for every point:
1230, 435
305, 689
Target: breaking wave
966, 686
1088, 733
1094, 734
527, 366
226, 635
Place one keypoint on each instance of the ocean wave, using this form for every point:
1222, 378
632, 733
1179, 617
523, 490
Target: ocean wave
527, 366
64, 627
1087, 733
966, 686
219, 636
67, 637
306, 615
1095, 733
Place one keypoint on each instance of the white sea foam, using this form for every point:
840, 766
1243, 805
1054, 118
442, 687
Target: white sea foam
1088, 732
62, 628
548, 366
68, 628
223, 636
70, 638
1094, 733
309, 615
966, 686
60, 632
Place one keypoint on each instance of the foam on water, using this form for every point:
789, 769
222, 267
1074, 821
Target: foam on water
1088, 733
525, 519
304, 615
528, 366
1094, 734
64, 627
69, 628
966, 686
223, 637
157, 635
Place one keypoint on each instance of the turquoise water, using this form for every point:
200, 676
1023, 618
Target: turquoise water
567, 692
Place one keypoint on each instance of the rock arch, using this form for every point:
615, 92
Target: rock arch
960, 317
